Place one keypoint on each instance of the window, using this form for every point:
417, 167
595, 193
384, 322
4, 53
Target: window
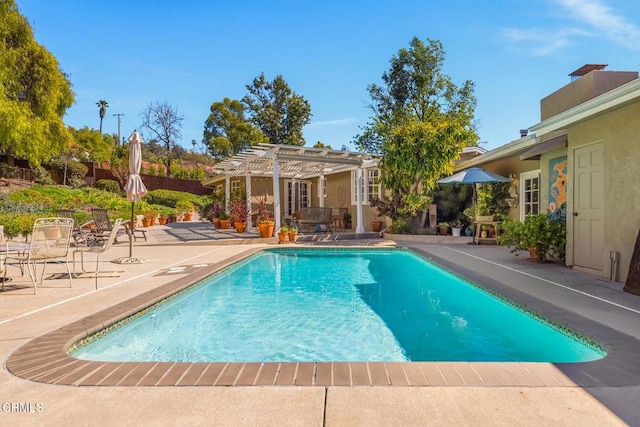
529, 193
235, 187
370, 187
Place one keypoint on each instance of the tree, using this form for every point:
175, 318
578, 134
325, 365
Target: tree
164, 122
34, 92
227, 131
320, 144
278, 111
103, 105
91, 145
421, 120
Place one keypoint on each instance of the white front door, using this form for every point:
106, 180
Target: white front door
296, 196
588, 210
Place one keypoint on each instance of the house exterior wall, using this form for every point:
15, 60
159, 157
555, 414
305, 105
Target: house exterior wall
545, 173
619, 131
584, 88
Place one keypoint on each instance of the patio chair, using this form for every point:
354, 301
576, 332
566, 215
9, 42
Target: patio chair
50, 241
96, 245
102, 225
80, 231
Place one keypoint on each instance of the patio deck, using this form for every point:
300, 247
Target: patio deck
595, 393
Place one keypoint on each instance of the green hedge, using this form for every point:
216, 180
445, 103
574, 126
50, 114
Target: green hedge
171, 198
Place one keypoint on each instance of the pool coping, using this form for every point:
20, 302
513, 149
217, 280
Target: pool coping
45, 359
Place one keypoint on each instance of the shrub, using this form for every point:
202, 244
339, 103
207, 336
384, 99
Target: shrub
539, 231
17, 225
170, 198
7, 171
108, 185
185, 206
42, 176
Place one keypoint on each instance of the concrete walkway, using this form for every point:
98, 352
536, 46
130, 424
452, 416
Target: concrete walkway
590, 305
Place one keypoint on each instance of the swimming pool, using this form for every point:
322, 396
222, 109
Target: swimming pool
336, 305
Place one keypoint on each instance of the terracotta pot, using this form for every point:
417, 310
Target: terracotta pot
224, 223
282, 237
266, 228
444, 230
535, 254
187, 216
240, 226
52, 232
146, 222
162, 220
376, 226
293, 237
216, 222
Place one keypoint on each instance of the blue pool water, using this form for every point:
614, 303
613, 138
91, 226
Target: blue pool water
336, 305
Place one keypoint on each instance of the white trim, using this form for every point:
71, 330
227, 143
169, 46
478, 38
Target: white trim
523, 177
512, 148
365, 185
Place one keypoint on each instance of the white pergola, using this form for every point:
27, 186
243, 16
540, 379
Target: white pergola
292, 162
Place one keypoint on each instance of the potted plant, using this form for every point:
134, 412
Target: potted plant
214, 211
265, 222
540, 234
149, 218
346, 221
456, 227
186, 207
443, 227
224, 220
239, 213
282, 234
293, 234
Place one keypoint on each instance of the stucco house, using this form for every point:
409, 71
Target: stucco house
584, 153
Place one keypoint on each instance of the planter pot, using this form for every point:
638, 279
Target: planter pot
468, 232
282, 237
535, 254
376, 226
293, 237
444, 230
146, 222
216, 222
51, 232
187, 216
456, 232
162, 220
483, 234
240, 226
224, 223
173, 218
266, 228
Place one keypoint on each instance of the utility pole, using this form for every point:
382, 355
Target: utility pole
119, 114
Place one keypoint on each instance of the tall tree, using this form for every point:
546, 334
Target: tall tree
102, 105
421, 119
227, 131
165, 123
34, 92
278, 111
91, 145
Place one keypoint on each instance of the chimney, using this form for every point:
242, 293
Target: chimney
524, 132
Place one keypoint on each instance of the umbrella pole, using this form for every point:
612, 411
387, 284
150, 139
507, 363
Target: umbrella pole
131, 225
474, 197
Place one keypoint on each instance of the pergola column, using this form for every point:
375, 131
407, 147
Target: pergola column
360, 222
248, 191
276, 193
321, 190
227, 190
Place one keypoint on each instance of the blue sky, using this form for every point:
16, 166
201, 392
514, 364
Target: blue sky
191, 53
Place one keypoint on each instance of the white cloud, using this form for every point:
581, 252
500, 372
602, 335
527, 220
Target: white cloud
331, 123
601, 17
594, 17
541, 42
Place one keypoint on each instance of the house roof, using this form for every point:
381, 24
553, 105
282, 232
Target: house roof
294, 162
544, 146
515, 147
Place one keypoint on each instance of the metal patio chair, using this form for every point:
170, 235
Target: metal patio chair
96, 245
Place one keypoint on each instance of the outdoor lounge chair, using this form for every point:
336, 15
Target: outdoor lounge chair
102, 225
96, 245
80, 231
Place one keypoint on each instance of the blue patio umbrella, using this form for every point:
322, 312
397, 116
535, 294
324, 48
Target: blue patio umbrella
474, 176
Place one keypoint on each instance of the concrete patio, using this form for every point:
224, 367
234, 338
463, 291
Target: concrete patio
595, 393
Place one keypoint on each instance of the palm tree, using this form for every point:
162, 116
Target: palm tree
103, 111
